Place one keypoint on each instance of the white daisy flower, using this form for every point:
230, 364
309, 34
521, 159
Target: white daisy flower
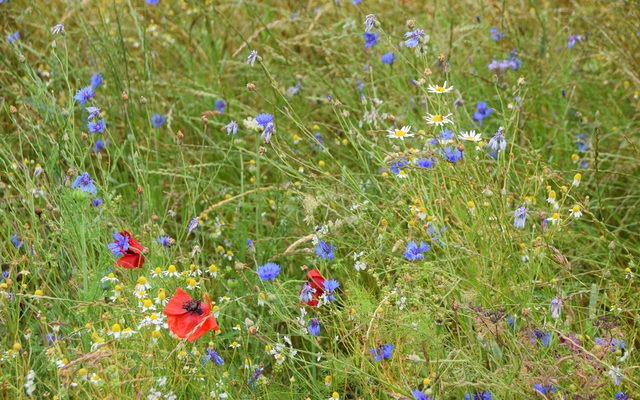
437, 119
575, 212
400, 133
440, 89
470, 136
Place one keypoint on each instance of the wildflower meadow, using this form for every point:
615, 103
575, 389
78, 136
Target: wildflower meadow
320, 199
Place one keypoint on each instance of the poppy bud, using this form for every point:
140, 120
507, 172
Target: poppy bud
124, 96
13, 109
140, 189
180, 135
251, 87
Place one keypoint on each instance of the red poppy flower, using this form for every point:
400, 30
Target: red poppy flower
189, 318
315, 280
129, 250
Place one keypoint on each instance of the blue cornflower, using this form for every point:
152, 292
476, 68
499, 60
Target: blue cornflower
85, 183
418, 395
478, 396
231, 128
51, 338
193, 224
520, 217
267, 132
544, 389
396, 165
17, 242
452, 154
573, 39
264, 119
84, 94
583, 142
220, 106
306, 293
330, 286
370, 39
250, 244
96, 126
96, 80
13, 37
388, 58
482, 113
324, 250
153, 2
496, 34
541, 336
512, 322
268, 271
120, 245
99, 145
621, 396
166, 241
426, 162
314, 327
383, 352
93, 112
96, 202
157, 120
498, 142
251, 60
413, 38
513, 58
212, 355
414, 252
446, 135
356, 2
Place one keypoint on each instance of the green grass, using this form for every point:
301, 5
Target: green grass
445, 314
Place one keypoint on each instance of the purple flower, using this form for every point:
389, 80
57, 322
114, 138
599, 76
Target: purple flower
231, 128
413, 38
212, 355
120, 245
520, 217
414, 251
383, 352
573, 39
96, 126
388, 58
426, 162
369, 22
193, 224
84, 94
306, 294
418, 395
544, 389
268, 271
251, 60
496, 34
370, 39
157, 120
498, 142
17, 242
314, 327
220, 105
96, 80
324, 250
482, 113
166, 241
452, 154
93, 112
264, 119
99, 145
267, 132
13, 37
97, 201
330, 286
85, 183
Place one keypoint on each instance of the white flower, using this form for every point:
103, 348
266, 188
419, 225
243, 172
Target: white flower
400, 133
57, 29
616, 375
109, 278
470, 136
575, 212
437, 119
440, 89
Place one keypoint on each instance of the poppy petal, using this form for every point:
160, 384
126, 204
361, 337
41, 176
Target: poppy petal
174, 306
131, 260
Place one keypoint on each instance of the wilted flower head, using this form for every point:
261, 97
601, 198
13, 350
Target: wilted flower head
369, 22
57, 29
251, 60
556, 307
231, 128
520, 217
413, 38
498, 142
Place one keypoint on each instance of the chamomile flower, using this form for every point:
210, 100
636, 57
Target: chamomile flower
171, 272
555, 218
213, 270
470, 136
192, 284
143, 284
575, 212
440, 89
576, 180
147, 305
110, 278
437, 119
400, 133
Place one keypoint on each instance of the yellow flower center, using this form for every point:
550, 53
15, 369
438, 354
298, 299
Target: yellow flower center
400, 133
172, 268
147, 303
440, 89
556, 216
437, 118
576, 209
116, 328
142, 280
